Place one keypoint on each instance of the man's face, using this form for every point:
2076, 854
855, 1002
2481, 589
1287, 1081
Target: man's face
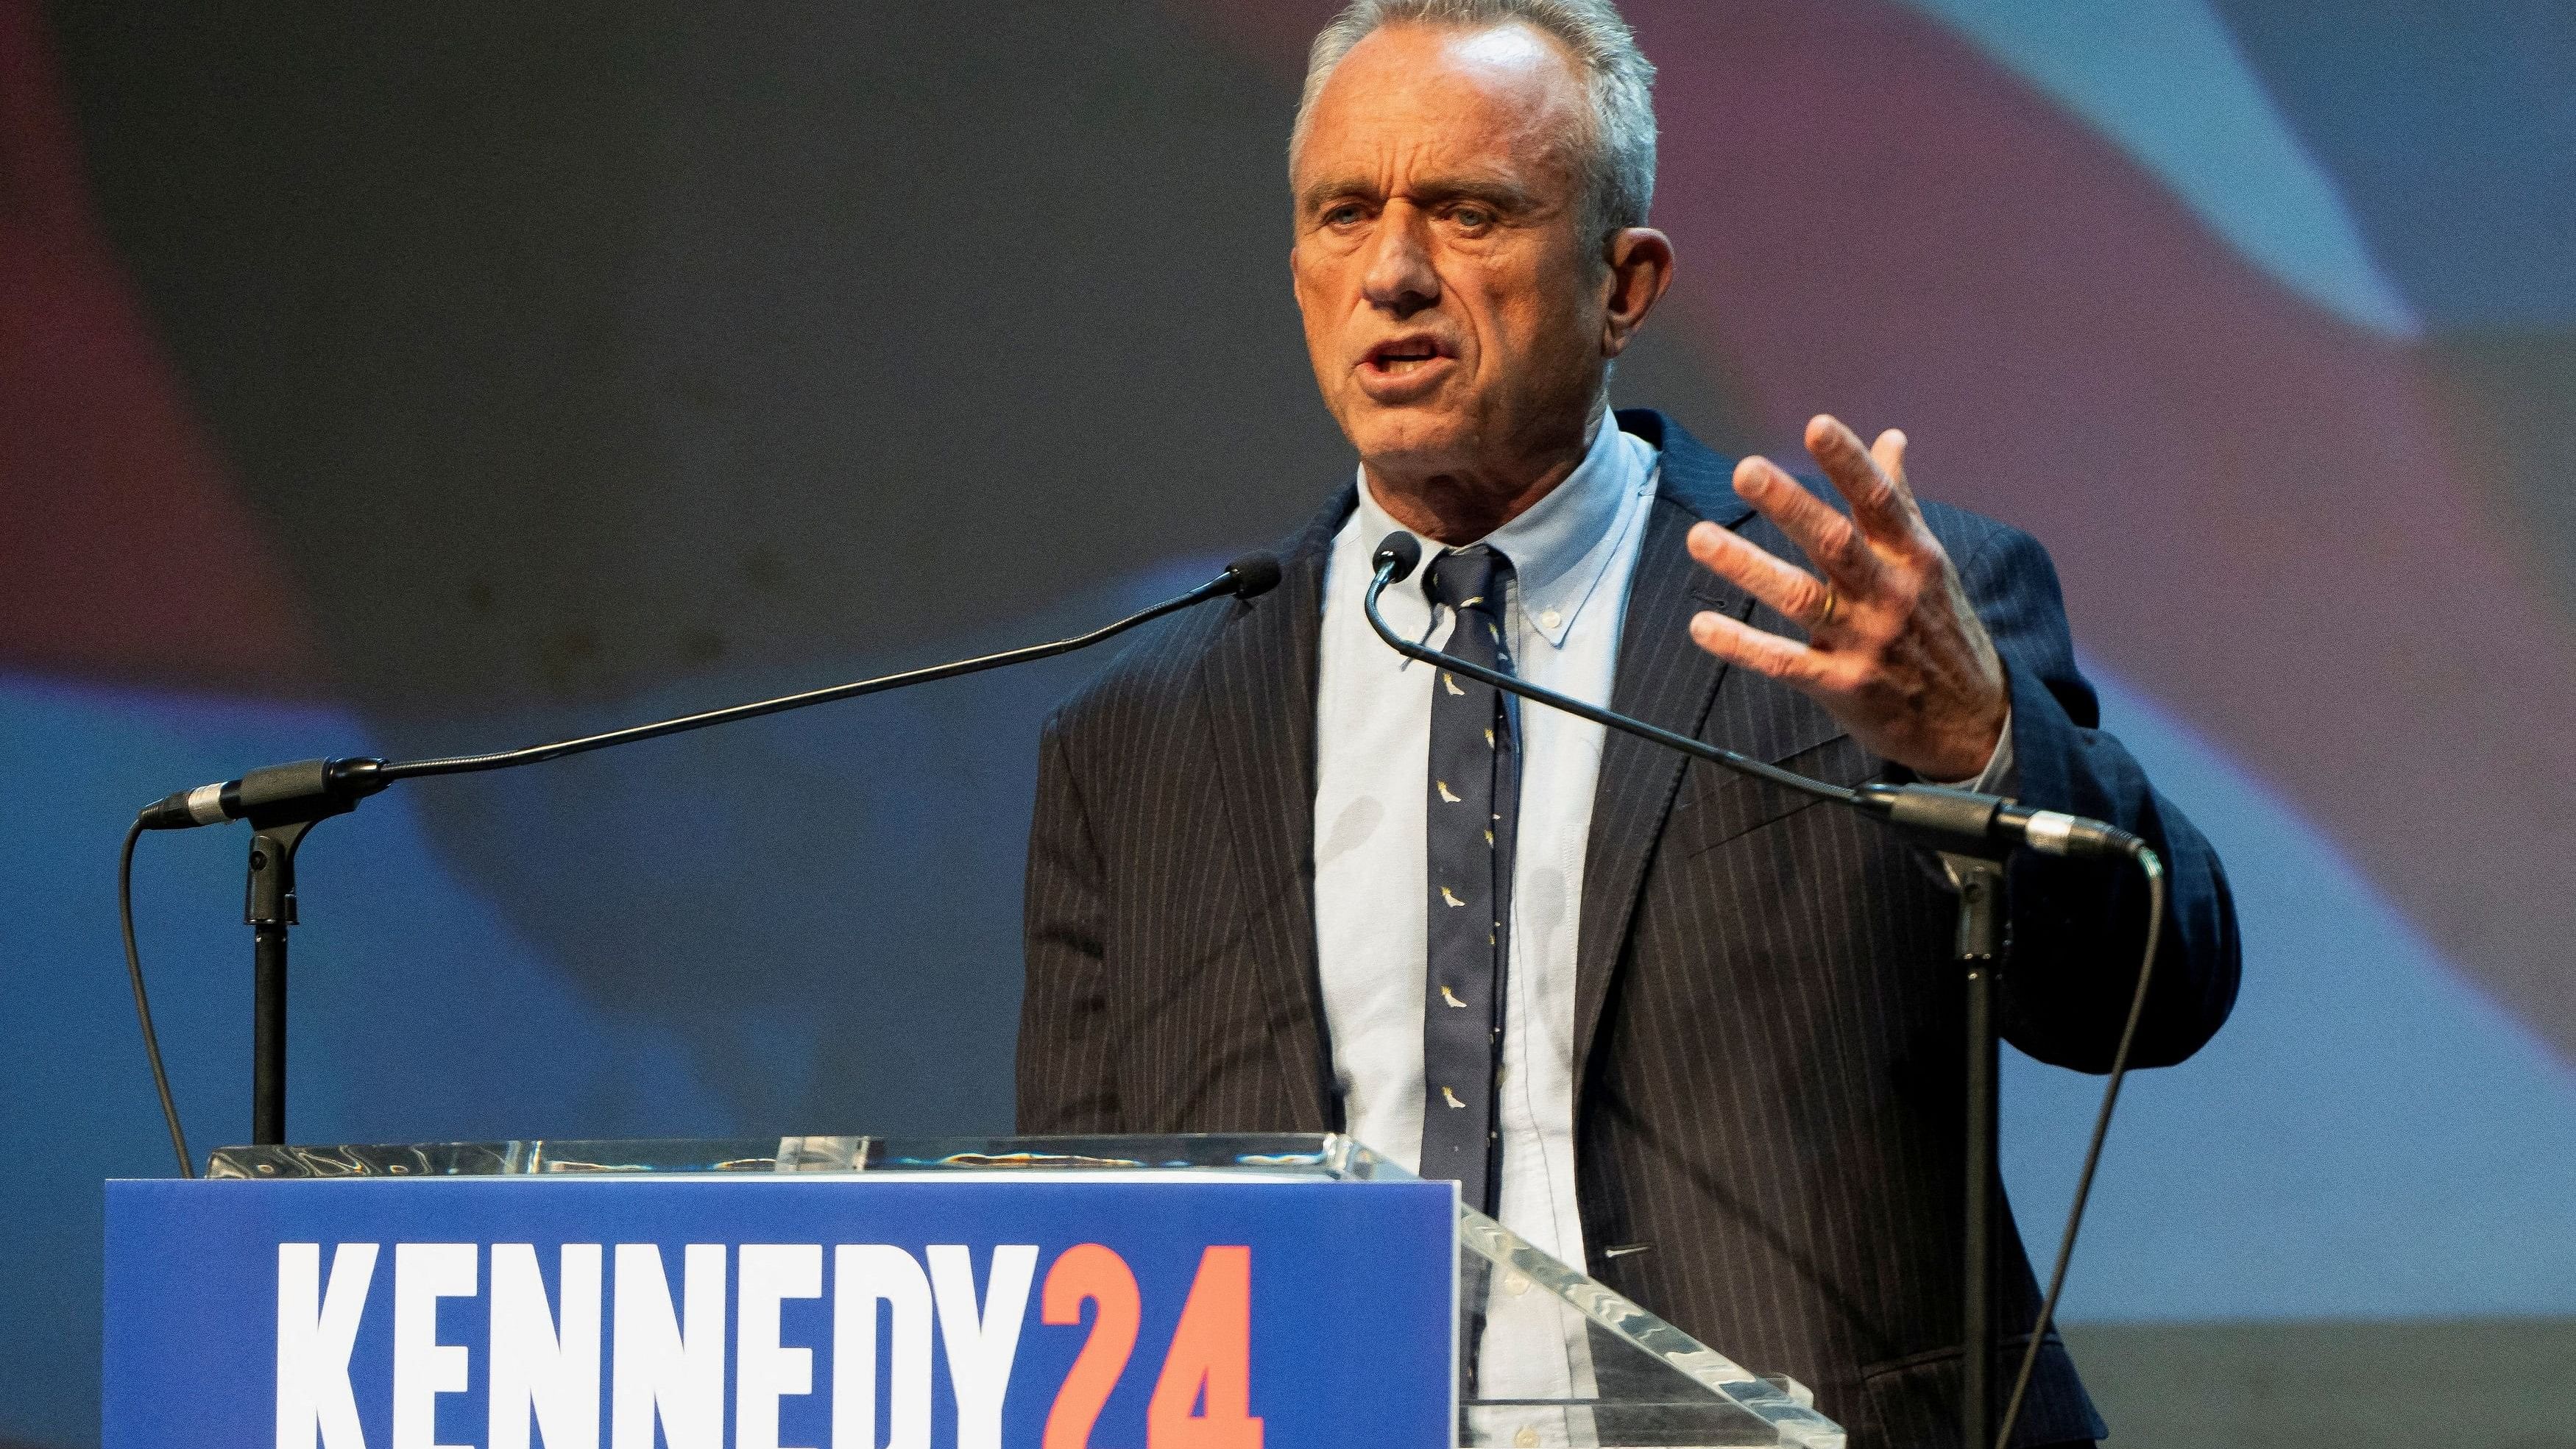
1453, 308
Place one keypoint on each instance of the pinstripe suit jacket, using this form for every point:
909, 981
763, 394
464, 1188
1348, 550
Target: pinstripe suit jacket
1768, 1030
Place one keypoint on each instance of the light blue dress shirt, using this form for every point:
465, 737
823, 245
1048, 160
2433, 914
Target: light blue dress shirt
1572, 555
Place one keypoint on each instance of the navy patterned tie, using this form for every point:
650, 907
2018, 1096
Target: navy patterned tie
1473, 808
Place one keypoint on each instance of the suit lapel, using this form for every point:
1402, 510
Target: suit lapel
1663, 679
1263, 720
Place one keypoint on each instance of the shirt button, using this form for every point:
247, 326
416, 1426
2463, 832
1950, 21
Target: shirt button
1547, 619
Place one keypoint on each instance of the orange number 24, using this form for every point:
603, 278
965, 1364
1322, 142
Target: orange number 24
1203, 1397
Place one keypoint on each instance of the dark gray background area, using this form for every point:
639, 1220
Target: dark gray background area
598, 362
576, 349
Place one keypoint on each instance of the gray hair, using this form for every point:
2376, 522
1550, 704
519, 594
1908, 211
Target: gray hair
1617, 158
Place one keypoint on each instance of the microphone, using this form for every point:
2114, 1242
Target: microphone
287, 785
1958, 820
283, 802
317, 789
1966, 817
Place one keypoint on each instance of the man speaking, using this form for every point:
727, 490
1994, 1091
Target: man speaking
1670, 1024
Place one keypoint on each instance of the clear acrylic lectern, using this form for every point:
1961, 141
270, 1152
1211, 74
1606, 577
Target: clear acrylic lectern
1546, 1355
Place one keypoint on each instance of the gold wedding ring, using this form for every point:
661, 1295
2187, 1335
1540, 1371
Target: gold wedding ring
1825, 615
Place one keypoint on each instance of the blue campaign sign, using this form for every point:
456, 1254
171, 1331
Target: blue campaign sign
724, 1312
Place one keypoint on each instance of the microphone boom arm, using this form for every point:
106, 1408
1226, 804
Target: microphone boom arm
311, 789
1697, 749
1218, 587
1962, 822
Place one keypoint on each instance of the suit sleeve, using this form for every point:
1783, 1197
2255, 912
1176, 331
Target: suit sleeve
1066, 1082
2079, 927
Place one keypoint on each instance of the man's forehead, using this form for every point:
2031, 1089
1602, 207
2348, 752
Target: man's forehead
1487, 101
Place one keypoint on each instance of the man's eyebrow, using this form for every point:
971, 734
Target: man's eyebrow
1492, 191
1498, 194
1336, 189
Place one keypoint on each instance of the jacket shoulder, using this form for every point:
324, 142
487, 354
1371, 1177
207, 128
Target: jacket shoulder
2007, 572
1964, 533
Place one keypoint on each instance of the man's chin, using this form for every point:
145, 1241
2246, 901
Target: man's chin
1409, 442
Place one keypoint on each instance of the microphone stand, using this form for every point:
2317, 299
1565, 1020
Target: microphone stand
1979, 949
1972, 834
284, 802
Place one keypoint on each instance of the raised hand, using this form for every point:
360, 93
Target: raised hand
1893, 649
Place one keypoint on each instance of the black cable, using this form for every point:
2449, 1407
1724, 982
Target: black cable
2155, 873
143, 1004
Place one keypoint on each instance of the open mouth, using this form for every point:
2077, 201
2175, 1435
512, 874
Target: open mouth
1403, 355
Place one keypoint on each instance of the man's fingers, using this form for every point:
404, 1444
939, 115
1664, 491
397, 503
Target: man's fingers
1787, 588
1889, 454
1880, 503
1831, 540
1786, 660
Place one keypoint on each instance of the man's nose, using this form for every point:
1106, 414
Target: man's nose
1400, 277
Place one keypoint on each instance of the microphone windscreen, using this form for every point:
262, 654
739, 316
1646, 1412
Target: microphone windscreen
1402, 551
1255, 574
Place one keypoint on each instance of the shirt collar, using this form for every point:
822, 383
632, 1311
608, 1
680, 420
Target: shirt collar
1562, 545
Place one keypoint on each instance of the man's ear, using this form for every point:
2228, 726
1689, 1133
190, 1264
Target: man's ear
1639, 266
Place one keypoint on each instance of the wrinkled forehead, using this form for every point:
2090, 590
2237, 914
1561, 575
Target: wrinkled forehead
1500, 99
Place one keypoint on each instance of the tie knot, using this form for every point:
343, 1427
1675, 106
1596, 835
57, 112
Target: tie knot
1468, 578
